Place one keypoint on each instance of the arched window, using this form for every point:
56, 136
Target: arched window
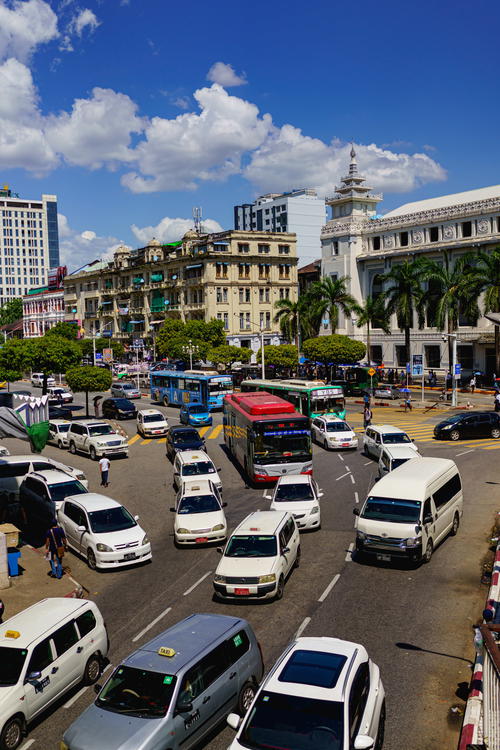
376, 291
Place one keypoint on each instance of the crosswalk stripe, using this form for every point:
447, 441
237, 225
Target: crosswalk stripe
134, 439
215, 432
145, 442
162, 440
203, 431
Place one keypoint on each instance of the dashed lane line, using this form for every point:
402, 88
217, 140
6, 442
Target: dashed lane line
340, 456
471, 450
356, 497
348, 557
352, 479
27, 744
329, 588
303, 625
145, 442
151, 624
343, 475
191, 588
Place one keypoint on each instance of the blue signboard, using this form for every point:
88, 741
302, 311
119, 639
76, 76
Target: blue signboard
458, 371
98, 356
417, 369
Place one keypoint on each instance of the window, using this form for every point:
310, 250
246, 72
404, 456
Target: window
284, 271
465, 356
284, 249
434, 234
13, 470
432, 356
376, 243
357, 699
65, 637
242, 321
264, 295
264, 248
264, 270
226, 321
41, 657
243, 247
466, 229
268, 320
376, 354
244, 270
448, 491
403, 239
401, 356
335, 247
237, 646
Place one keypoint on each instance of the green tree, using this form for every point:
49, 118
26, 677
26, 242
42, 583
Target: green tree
285, 355
63, 328
10, 376
172, 340
15, 355
88, 380
372, 314
334, 349
288, 315
483, 277
51, 354
226, 355
405, 296
87, 347
330, 295
11, 311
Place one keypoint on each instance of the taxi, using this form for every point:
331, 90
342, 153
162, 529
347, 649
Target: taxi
333, 433
151, 423
199, 517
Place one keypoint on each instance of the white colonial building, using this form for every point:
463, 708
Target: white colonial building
359, 243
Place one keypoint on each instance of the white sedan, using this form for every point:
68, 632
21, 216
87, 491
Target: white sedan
299, 495
333, 433
151, 423
199, 517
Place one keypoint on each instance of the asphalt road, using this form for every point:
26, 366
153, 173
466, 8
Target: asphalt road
415, 623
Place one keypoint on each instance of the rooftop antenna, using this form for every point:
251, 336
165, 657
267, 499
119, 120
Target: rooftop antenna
198, 227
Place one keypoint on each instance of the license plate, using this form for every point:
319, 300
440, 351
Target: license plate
242, 592
129, 556
345, 445
201, 540
384, 558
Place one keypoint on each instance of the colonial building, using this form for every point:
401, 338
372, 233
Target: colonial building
233, 276
359, 243
43, 307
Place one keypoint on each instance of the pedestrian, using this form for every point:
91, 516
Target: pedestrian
104, 467
55, 546
367, 416
472, 384
96, 400
366, 399
408, 406
497, 402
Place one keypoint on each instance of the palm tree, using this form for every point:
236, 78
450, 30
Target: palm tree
329, 295
373, 314
288, 316
404, 297
483, 276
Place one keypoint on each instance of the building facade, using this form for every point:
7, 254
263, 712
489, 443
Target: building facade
233, 276
300, 211
29, 242
360, 244
43, 307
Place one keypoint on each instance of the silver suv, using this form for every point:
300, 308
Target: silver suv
97, 438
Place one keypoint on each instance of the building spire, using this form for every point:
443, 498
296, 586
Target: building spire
353, 166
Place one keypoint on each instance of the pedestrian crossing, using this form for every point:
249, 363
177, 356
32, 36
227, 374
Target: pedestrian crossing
209, 433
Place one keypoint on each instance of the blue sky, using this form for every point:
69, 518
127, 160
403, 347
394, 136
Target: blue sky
134, 111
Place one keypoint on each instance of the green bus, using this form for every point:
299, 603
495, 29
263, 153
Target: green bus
309, 397
355, 379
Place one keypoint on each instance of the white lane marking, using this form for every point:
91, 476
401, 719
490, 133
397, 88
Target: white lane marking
464, 452
352, 479
367, 463
348, 469
151, 624
303, 625
356, 497
348, 557
343, 475
76, 696
109, 666
27, 744
340, 456
191, 588
264, 494
329, 588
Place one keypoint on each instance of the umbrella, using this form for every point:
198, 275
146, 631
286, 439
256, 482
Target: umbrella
404, 390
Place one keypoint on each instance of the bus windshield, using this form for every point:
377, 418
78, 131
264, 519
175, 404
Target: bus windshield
320, 403
281, 443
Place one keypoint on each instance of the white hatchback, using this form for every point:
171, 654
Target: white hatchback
151, 423
333, 433
299, 495
380, 435
103, 531
199, 517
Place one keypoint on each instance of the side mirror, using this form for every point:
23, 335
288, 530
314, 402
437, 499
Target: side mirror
136, 518
172, 510
33, 677
97, 688
428, 518
81, 529
363, 742
355, 511
219, 468
224, 505
183, 707
285, 550
234, 721
320, 494
220, 550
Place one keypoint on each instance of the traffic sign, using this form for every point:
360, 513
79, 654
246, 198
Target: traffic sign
138, 343
107, 355
98, 356
458, 371
417, 365
371, 372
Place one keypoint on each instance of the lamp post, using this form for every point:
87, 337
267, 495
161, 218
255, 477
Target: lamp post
454, 339
189, 350
261, 329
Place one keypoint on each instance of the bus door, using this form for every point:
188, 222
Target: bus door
203, 391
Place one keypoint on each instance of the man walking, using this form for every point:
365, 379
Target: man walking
367, 416
56, 546
104, 467
472, 384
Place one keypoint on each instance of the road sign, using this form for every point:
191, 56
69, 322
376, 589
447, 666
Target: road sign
107, 355
407, 368
371, 372
98, 357
458, 371
138, 343
417, 369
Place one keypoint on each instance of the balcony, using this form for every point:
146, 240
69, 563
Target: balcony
90, 314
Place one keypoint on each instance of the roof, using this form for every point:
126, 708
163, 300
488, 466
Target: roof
414, 476
188, 638
53, 476
260, 405
92, 421
95, 501
400, 451
385, 428
443, 201
188, 457
59, 421
151, 411
17, 325
262, 521
193, 486
294, 479
38, 619
313, 267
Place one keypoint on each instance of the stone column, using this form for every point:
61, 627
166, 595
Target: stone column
4, 567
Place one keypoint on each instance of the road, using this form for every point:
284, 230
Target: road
415, 623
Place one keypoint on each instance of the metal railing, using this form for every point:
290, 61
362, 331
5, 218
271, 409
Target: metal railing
491, 690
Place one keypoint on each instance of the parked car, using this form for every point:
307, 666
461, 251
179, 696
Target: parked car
118, 408
470, 425
195, 414
125, 390
4, 451
182, 438
13, 470
387, 391
37, 380
97, 438
59, 395
333, 433
199, 517
299, 495
41, 495
58, 432
151, 423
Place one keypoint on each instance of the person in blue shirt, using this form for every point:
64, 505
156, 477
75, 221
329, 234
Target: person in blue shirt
55, 546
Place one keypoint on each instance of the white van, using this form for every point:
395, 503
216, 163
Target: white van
393, 456
410, 511
44, 651
13, 469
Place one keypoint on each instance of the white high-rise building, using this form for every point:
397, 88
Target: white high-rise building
29, 242
301, 212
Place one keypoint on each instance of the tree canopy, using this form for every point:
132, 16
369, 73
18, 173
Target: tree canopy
334, 349
226, 354
51, 354
101, 342
63, 328
11, 311
88, 379
285, 355
172, 339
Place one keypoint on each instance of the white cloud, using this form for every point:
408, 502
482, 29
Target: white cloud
25, 25
171, 230
427, 147
225, 75
182, 102
84, 19
77, 248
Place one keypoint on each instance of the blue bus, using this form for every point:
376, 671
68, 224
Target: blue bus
179, 387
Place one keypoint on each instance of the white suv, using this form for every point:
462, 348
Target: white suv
199, 517
260, 554
97, 438
190, 465
151, 423
37, 379
380, 435
322, 692
299, 495
333, 433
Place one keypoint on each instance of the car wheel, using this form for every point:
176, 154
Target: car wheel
495, 433
59, 444
325, 445
245, 698
280, 589
428, 552
92, 670
381, 729
454, 435
12, 734
91, 561
456, 524
297, 559
93, 454
165, 401
72, 448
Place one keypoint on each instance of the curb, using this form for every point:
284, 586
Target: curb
470, 733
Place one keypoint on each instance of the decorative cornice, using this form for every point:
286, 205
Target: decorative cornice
335, 229
446, 213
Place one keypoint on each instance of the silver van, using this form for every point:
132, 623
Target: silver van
174, 690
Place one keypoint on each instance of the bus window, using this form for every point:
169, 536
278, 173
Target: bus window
180, 384
192, 385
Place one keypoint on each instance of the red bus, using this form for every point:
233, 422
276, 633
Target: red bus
267, 436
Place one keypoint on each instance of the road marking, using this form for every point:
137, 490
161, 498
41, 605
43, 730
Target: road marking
108, 666
347, 468
303, 625
76, 697
215, 432
348, 557
352, 479
162, 440
464, 452
203, 431
151, 624
191, 588
367, 463
145, 442
27, 744
340, 456
329, 588
134, 439
342, 476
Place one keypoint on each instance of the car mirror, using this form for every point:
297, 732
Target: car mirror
285, 550
97, 688
33, 677
224, 505
428, 518
81, 529
320, 494
136, 518
363, 742
172, 510
234, 721
219, 468
220, 550
183, 707
355, 511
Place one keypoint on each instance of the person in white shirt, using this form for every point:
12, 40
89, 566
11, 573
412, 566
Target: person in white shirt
104, 467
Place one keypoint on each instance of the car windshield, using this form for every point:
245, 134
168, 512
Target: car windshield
398, 462
391, 509
11, 664
184, 438
102, 429
292, 722
393, 438
153, 418
123, 403
337, 427
197, 409
282, 443
291, 492
325, 404
59, 492
198, 504
111, 519
62, 427
201, 467
251, 546
454, 419
128, 387
137, 692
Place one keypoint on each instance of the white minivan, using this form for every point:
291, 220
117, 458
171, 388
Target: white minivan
393, 456
410, 511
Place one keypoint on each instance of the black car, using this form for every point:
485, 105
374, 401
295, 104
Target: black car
183, 439
118, 408
476, 424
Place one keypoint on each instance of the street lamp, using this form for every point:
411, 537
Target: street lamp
261, 329
454, 338
189, 349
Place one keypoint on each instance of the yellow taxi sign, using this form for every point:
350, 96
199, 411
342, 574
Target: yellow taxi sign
371, 372
12, 634
164, 651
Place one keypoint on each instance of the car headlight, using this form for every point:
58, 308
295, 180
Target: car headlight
315, 510
81, 477
145, 540
219, 579
100, 444
218, 527
447, 427
361, 536
268, 579
183, 531
103, 548
413, 541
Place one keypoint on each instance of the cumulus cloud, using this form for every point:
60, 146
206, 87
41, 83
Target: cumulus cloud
182, 102
171, 230
23, 26
84, 19
80, 247
225, 75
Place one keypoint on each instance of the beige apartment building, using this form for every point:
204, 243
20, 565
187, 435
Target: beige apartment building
233, 276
